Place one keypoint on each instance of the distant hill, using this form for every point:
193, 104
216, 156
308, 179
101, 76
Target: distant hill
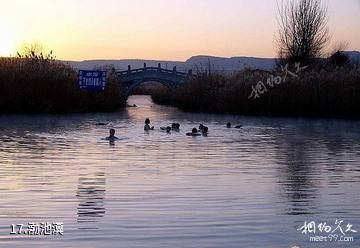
230, 64
353, 55
200, 62
123, 64
195, 62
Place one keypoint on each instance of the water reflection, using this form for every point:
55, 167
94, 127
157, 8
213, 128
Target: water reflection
91, 195
297, 174
312, 156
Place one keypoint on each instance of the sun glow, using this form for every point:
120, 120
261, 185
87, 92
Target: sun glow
158, 29
7, 40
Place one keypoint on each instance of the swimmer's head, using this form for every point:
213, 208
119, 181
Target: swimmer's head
175, 126
112, 132
147, 121
194, 130
168, 129
228, 125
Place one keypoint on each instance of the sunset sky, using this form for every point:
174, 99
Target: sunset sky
156, 29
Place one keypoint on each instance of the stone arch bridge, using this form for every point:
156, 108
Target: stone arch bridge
132, 78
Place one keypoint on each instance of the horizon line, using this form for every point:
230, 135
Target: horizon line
181, 61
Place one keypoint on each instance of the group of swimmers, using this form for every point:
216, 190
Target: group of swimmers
202, 130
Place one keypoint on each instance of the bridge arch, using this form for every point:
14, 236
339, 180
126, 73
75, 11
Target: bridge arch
131, 86
130, 79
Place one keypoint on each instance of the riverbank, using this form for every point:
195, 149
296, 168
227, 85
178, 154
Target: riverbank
40, 84
310, 92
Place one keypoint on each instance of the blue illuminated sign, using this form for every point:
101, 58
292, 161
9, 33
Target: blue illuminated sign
92, 80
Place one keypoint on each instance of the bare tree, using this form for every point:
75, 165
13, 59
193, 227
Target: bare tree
303, 32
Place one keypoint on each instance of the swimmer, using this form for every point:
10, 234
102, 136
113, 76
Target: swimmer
112, 136
168, 129
228, 125
205, 130
147, 125
175, 127
194, 132
201, 127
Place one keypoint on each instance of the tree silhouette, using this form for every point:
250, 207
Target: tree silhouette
303, 32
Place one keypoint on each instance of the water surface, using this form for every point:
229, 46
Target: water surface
249, 187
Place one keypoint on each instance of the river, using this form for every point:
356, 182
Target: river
249, 187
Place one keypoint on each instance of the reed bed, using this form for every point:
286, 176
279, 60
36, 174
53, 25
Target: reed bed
40, 84
318, 91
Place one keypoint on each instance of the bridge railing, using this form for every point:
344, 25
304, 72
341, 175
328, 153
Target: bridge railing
152, 69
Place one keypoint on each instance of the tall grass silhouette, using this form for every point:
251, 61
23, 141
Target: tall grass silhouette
38, 83
320, 91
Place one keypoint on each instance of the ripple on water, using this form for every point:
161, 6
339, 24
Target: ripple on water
251, 187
